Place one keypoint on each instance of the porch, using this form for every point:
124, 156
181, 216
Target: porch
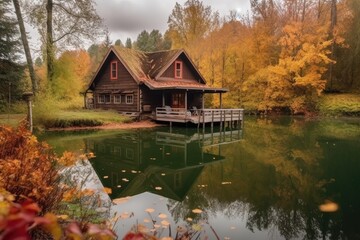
200, 116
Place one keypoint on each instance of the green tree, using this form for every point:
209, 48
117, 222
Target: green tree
151, 42
119, 43
82, 22
10, 71
128, 43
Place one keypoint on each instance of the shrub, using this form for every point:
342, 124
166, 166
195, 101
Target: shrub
28, 168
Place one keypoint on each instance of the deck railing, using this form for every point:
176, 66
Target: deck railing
199, 115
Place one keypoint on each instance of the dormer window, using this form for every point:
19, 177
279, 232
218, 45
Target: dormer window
178, 69
113, 70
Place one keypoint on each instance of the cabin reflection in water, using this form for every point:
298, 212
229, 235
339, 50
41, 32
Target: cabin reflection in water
164, 163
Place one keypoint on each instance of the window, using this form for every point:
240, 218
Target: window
129, 99
104, 98
117, 98
178, 100
113, 70
178, 69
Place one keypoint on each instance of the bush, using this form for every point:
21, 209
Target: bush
28, 168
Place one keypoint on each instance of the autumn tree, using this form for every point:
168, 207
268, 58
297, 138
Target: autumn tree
82, 22
72, 66
190, 23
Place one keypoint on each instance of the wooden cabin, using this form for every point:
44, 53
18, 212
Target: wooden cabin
165, 84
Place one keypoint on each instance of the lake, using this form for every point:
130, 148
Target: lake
277, 178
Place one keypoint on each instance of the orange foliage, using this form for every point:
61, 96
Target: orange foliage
28, 167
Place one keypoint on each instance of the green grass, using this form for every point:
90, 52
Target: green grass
80, 118
340, 105
67, 118
11, 119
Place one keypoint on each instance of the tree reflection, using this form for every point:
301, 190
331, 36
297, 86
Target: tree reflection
279, 176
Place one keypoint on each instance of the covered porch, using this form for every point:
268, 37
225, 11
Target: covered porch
188, 105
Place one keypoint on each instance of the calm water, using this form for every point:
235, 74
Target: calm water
266, 181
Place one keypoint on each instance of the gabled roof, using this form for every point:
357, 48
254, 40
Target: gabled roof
147, 68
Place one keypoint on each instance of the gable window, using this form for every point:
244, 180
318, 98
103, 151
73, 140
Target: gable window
178, 69
129, 99
104, 98
113, 70
117, 98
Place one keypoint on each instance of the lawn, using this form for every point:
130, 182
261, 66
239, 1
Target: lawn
11, 119
68, 118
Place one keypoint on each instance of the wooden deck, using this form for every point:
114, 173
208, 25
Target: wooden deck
199, 116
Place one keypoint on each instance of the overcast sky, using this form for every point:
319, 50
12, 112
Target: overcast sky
127, 18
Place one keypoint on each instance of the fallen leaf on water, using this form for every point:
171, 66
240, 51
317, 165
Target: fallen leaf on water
126, 215
123, 170
189, 219
107, 190
149, 210
106, 177
133, 171
125, 179
226, 183
162, 215
163, 174
146, 220
158, 188
157, 225
165, 223
121, 200
196, 210
329, 206
118, 186
196, 227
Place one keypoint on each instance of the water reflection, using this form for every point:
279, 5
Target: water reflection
270, 185
161, 162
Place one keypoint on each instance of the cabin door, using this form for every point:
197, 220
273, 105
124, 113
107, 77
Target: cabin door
178, 100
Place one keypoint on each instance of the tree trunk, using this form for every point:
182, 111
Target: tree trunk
332, 26
49, 41
26, 46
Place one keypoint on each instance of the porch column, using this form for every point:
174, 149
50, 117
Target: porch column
202, 101
186, 101
163, 99
220, 100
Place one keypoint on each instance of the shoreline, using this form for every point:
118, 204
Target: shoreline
109, 126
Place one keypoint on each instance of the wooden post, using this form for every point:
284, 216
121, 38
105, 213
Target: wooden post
203, 119
186, 102
163, 99
220, 100
212, 121
202, 101
220, 120
231, 119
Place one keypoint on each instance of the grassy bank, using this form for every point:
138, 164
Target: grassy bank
67, 118
11, 119
340, 105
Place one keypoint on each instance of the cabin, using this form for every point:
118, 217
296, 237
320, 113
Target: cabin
165, 85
